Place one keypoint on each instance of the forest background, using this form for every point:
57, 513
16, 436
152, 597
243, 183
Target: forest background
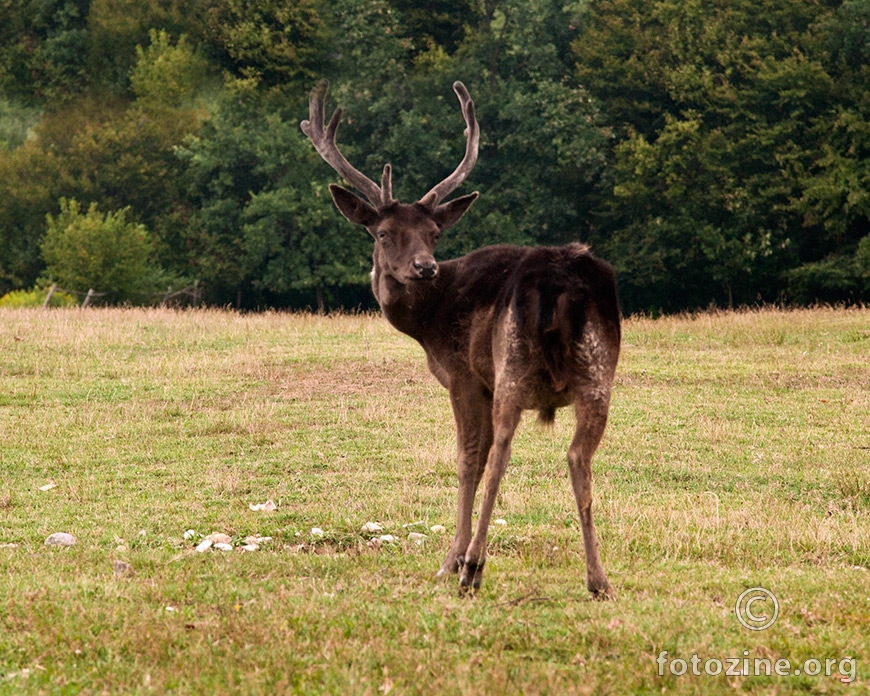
715, 151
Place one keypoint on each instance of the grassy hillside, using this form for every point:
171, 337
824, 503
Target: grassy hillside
737, 456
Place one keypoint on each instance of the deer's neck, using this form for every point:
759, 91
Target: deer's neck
408, 307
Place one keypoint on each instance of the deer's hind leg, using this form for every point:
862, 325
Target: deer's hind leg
591, 420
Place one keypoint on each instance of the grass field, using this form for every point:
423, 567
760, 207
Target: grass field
737, 456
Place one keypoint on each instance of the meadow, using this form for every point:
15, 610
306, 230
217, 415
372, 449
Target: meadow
737, 456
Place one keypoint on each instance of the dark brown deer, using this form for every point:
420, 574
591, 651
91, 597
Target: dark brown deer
505, 329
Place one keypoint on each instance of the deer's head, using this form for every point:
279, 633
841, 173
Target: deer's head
405, 234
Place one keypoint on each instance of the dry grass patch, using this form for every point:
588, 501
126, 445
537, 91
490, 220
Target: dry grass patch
736, 456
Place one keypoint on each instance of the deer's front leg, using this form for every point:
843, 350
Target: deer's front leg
506, 418
472, 409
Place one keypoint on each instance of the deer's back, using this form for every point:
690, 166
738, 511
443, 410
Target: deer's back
536, 316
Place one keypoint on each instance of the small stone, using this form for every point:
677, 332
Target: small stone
223, 547
219, 538
372, 527
316, 531
438, 529
189, 534
501, 522
204, 545
48, 486
268, 506
60, 539
416, 536
387, 538
121, 568
250, 547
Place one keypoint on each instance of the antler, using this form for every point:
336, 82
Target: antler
324, 142
472, 142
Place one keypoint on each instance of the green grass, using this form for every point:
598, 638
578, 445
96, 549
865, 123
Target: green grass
737, 455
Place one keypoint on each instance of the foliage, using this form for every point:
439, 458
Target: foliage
16, 124
274, 42
715, 152
263, 227
98, 251
166, 75
36, 298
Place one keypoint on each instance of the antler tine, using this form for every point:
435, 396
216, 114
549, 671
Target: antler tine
324, 143
472, 143
387, 185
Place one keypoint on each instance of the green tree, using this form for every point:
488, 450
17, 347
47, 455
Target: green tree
542, 146
264, 230
166, 75
43, 49
104, 252
276, 43
723, 113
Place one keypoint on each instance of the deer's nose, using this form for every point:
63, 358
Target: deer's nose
426, 268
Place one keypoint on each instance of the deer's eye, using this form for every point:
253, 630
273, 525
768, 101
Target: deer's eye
381, 235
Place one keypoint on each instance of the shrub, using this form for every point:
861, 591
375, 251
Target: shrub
103, 252
35, 297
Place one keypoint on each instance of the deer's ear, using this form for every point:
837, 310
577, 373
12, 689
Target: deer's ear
353, 207
449, 213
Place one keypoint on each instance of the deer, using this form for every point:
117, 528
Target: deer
505, 329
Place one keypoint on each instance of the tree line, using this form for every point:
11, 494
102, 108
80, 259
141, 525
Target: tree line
715, 151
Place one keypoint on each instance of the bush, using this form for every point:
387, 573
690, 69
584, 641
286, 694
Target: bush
103, 252
35, 298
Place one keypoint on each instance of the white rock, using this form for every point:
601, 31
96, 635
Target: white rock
250, 547
268, 506
223, 547
501, 522
204, 545
316, 531
416, 536
386, 538
189, 534
372, 527
60, 539
142, 533
48, 486
220, 538
438, 529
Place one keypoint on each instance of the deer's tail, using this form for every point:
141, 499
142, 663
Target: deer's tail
561, 304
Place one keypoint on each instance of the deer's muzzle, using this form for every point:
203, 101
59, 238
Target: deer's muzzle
425, 268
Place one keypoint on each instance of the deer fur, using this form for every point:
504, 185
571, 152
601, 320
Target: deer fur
505, 329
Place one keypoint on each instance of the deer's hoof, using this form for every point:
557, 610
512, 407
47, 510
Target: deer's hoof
470, 577
451, 564
601, 592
